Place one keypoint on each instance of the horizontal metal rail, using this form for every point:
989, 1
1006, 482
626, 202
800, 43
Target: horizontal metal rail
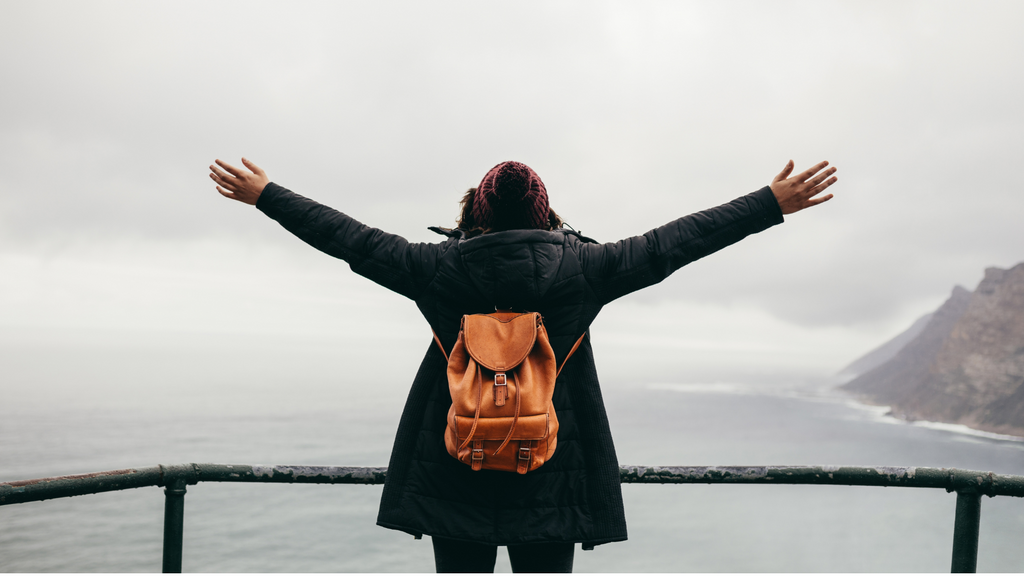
969, 485
79, 484
949, 479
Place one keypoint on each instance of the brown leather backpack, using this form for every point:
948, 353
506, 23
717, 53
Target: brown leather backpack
501, 374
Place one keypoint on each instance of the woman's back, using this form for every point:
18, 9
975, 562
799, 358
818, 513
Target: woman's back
575, 496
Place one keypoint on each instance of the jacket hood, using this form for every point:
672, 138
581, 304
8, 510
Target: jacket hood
514, 269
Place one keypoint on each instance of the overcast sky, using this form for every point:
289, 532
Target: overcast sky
633, 113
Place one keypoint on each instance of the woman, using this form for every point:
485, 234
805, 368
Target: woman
510, 251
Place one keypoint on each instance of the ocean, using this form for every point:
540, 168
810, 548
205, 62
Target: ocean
82, 409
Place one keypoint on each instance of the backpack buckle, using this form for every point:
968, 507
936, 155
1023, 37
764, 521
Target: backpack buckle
524, 452
500, 388
477, 459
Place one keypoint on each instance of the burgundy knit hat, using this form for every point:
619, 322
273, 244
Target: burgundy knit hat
511, 196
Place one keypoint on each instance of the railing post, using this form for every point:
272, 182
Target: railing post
174, 524
966, 529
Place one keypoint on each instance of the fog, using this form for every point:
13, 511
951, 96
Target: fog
634, 113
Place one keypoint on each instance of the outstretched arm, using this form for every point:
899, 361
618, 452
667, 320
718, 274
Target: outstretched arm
387, 259
616, 269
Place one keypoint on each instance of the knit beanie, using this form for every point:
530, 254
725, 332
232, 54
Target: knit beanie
511, 196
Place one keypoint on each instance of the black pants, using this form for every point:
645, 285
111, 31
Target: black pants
458, 556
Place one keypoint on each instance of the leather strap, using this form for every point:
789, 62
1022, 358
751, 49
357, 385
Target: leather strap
574, 347
501, 388
525, 456
479, 402
515, 420
476, 457
438, 340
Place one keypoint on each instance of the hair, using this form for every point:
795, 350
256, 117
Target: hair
470, 228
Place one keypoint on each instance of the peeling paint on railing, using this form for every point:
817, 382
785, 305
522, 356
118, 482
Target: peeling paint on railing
969, 485
949, 479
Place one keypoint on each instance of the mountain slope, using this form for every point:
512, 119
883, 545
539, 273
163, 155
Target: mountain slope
886, 351
967, 364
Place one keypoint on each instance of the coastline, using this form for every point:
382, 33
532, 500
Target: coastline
886, 414
880, 413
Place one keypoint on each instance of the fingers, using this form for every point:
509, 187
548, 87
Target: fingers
811, 171
818, 189
238, 183
821, 177
816, 201
255, 169
223, 179
234, 171
785, 172
216, 171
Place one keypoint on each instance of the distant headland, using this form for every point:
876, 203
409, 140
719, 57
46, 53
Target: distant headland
962, 364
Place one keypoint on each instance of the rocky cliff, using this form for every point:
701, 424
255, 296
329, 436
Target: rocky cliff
887, 351
966, 366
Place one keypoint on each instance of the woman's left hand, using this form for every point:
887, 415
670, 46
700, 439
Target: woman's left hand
796, 193
238, 184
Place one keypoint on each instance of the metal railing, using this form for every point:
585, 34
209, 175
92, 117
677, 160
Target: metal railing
969, 486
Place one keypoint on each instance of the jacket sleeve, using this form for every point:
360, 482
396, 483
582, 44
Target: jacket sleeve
616, 269
387, 259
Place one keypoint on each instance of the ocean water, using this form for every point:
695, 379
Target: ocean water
75, 410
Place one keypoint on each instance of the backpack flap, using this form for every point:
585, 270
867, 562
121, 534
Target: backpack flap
500, 344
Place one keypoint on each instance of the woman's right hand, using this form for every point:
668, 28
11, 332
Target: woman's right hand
796, 193
238, 184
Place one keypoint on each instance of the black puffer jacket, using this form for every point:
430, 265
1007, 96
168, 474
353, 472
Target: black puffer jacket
575, 496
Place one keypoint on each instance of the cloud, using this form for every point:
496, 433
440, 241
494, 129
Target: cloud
633, 113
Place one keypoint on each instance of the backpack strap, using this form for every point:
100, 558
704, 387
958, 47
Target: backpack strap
438, 340
574, 347
449, 232
476, 417
515, 419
